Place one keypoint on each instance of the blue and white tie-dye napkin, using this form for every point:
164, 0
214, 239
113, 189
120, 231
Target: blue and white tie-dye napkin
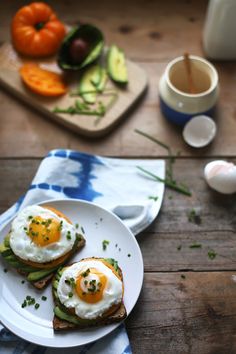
115, 184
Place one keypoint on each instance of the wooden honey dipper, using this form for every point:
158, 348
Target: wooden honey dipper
187, 63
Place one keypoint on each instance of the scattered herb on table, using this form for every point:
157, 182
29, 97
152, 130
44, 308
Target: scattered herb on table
183, 276
195, 245
212, 254
169, 181
105, 243
179, 247
194, 217
170, 197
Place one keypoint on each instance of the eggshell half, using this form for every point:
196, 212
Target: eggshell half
221, 176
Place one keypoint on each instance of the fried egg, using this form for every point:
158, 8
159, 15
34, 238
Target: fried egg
90, 287
41, 235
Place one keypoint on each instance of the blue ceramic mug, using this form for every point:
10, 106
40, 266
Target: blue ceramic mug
177, 104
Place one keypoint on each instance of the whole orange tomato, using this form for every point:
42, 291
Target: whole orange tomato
36, 30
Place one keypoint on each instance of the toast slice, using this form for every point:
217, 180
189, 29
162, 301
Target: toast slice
60, 321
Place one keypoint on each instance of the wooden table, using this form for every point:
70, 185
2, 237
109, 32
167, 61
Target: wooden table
188, 301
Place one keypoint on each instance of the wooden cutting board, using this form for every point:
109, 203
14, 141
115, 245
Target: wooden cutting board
10, 62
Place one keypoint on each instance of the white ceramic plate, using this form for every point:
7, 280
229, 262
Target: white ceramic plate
36, 325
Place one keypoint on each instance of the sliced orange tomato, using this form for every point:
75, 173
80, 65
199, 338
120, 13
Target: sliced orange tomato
41, 81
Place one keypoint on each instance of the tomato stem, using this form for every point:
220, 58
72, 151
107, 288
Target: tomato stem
39, 25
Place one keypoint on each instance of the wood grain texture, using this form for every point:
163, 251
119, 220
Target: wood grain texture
195, 315
152, 33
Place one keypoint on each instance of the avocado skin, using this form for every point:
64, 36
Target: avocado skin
116, 65
92, 36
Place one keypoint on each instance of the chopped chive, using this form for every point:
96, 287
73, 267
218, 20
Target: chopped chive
105, 243
151, 197
86, 273
44, 298
5, 270
195, 245
183, 276
179, 247
70, 294
76, 226
194, 217
36, 306
212, 254
129, 255
22, 281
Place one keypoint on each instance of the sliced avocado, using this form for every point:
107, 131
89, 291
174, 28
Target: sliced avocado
117, 69
7, 240
37, 275
103, 80
14, 262
5, 251
55, 284
67, 317
87, 87
113, 262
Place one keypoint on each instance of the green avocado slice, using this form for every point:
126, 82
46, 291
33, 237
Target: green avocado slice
67, 317
116, 64
89, 80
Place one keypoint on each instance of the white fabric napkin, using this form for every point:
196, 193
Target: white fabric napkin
115, 184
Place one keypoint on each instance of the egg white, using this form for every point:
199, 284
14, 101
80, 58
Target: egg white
112, 293
22, 245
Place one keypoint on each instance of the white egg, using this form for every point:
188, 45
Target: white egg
110, 293
221, 176
27, 248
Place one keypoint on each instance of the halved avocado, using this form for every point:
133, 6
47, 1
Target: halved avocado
116, 65
81, 47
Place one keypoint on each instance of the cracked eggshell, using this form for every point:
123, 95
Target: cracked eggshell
221, 176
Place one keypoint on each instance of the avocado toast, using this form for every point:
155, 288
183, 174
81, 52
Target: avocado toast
66, 318
38, 277
41, 239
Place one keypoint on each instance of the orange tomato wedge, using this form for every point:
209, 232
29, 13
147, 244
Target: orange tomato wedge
41, 81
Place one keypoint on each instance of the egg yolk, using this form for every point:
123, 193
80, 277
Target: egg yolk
44, 231
90, 285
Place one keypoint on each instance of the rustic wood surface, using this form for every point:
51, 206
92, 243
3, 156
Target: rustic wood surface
188, 301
